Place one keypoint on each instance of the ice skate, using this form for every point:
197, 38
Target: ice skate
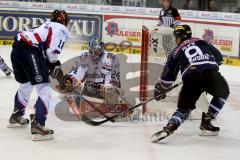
39, 132
167, 131
6, 71
17, 121
206, 128
5, 68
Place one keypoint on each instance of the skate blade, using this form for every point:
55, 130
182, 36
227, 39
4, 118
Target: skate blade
17, 125
39, 137
158, 137
208, 133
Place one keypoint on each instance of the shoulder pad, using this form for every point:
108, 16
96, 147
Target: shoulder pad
84, 56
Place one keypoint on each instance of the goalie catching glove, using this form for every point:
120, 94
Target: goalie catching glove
69, 84
160, 91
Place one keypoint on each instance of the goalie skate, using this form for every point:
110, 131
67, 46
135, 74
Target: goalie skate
40, 133
17, 121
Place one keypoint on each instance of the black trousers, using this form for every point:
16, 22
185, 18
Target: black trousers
28, 64
210, 81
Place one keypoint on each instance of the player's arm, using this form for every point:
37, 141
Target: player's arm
72, 81
112, 91
170, 70
160, 19
55, 42
168, 77
112, 79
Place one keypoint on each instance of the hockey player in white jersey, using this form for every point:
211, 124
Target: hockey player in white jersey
34, 58
97, 73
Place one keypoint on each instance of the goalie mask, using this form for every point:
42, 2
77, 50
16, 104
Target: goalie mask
183, 32
96, 48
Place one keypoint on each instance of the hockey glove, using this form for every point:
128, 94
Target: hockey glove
70, 84
159, 92
55, 70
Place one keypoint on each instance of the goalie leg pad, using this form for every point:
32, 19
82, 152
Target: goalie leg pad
113, 95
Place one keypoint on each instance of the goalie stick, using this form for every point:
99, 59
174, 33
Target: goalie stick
94, 107
97, 123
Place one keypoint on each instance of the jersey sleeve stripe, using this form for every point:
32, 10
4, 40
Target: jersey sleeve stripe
38, 38
29, 42
49, 37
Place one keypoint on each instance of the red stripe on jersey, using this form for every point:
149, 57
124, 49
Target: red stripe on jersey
49, 37
29, 42
38, 38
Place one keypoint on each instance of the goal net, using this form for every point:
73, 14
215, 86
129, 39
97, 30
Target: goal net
157, 44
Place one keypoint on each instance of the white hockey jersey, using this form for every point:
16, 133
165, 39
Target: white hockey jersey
106, 71
50, 36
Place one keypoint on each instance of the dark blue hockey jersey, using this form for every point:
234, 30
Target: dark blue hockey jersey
192, 56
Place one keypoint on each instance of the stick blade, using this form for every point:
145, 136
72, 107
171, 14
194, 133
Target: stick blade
91, 122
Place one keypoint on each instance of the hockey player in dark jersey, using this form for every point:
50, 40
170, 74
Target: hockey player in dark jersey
199, 63
169, 16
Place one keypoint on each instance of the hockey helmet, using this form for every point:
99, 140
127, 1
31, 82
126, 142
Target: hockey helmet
60, 16
96, 47
183, 32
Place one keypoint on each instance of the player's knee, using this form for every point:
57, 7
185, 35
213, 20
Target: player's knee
44, 91
25, 90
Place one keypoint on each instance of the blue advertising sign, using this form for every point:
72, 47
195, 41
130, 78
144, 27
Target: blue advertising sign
82, 27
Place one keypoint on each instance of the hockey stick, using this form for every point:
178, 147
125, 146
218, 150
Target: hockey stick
94, 107
72, 104
97, 123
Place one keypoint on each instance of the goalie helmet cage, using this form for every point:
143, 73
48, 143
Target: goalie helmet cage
157, 44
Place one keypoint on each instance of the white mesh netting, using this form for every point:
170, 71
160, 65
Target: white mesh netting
160, 43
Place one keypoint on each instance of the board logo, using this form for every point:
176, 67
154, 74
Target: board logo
38, 78
208, 35
112, 28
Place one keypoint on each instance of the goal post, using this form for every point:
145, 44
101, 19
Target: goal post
157, 43
144, 60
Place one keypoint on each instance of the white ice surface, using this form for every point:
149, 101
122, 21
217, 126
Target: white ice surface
119, 141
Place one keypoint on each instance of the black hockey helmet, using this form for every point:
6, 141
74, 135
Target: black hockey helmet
60, 16
183, 32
